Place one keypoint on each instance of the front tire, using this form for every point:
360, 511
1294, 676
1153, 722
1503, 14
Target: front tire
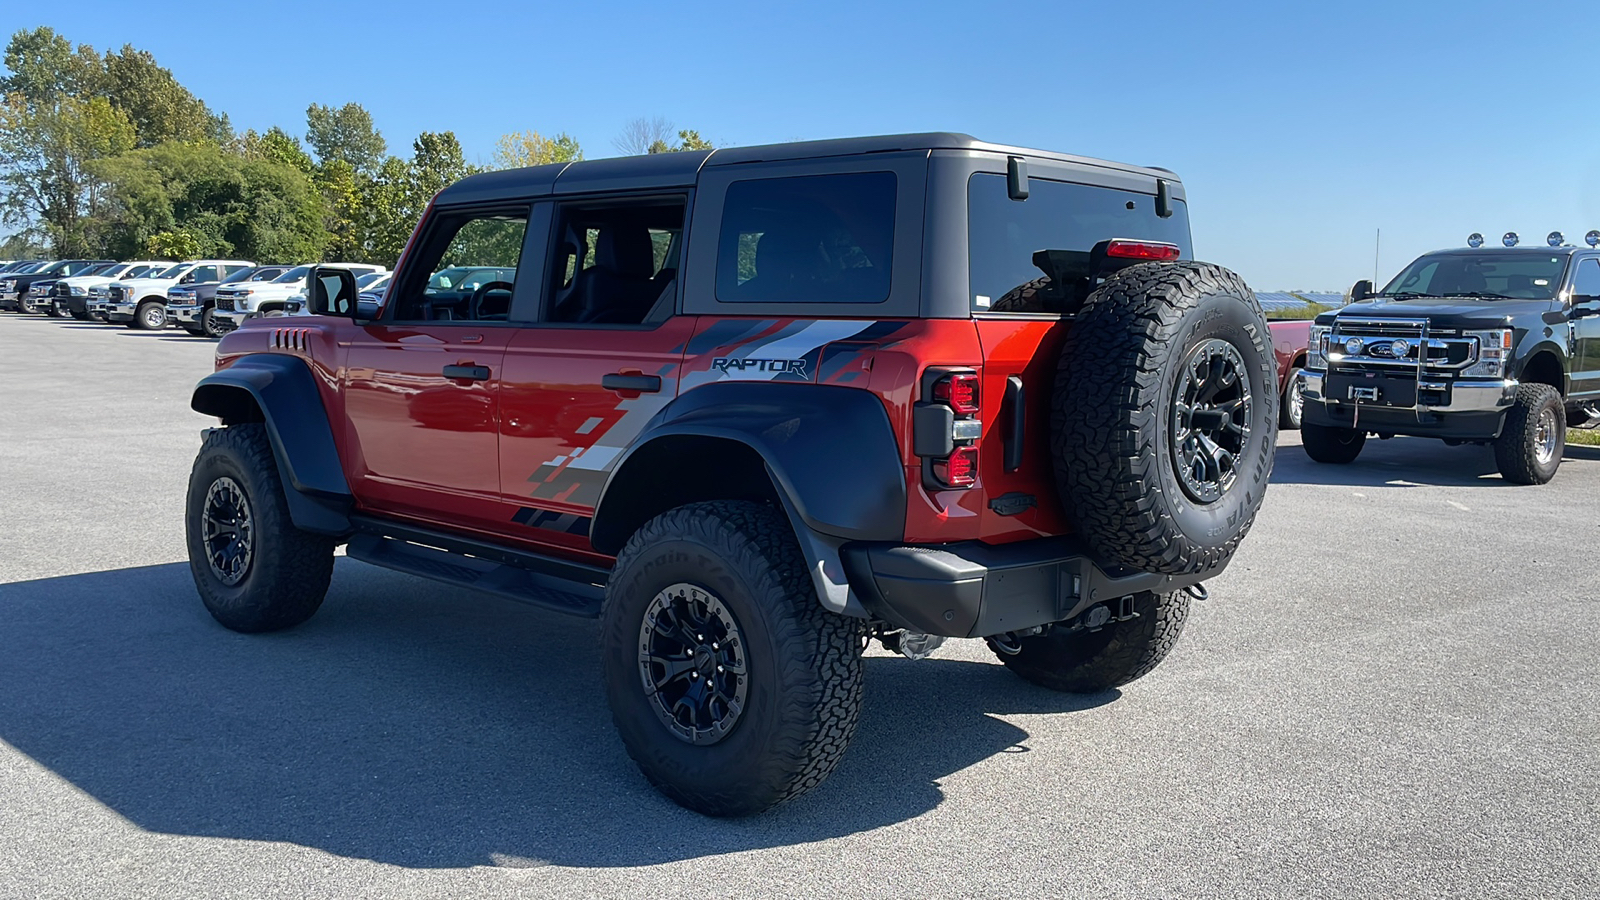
1294, 403
150, 316
1087, 662
1331, 444
1529, 448
731, 687
209, 325
254, 569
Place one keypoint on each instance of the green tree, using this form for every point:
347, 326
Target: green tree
160, 108
386, 216
47, 152
277, 145
346, 134
45, 69
530, 148
229, 204
180, 244
691, 140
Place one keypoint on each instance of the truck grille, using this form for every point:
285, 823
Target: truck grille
225, 304
62, 290
1387, 344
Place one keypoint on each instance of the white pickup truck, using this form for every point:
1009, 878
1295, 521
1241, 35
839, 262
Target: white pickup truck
70, 296
239, 302
142, 302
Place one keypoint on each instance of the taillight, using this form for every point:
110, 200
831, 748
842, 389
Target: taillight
959, 469
946, 428
1155, 250
959, 392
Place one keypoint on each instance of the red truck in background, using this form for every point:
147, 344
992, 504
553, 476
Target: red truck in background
1289, 340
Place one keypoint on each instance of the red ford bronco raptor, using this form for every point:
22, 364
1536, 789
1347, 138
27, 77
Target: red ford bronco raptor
752, 408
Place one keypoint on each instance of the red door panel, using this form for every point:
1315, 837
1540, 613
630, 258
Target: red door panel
423, 444
562, 430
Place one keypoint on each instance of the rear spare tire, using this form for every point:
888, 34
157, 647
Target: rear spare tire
1164, 417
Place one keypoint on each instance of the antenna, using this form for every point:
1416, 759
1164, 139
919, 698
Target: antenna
1377, 246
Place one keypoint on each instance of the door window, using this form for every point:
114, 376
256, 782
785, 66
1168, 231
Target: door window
1586, 283
465, 269
616, 264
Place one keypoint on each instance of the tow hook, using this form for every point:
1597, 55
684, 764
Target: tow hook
1197, 591
1010, 643
911, 644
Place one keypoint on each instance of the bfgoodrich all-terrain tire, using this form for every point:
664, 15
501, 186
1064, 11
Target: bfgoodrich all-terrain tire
1085, 662
1332, 444
254, 570
1530, 445
732, 688
1165, 417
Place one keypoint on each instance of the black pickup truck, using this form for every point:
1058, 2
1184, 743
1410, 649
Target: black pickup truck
1488, 345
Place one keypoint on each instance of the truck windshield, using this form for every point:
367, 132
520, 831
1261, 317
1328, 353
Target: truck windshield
1520, 276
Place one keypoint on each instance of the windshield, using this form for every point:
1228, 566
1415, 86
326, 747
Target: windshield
101, 269
173, 272
445, 279
298, 273
365, 282
55, 267
1522, 276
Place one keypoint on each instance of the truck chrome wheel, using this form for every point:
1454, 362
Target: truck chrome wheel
153, 316
1210, 420
227, 531
1544, 436
692, 665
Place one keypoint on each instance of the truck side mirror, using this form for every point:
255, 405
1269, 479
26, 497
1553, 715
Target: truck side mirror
332, 292
1361, 291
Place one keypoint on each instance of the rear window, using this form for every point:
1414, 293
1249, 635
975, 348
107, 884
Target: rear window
808, 239
1005, 234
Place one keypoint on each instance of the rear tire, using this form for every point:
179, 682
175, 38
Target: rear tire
728, 570
1529, 448
1087, 662
1165, 417
254, 569
1332, 444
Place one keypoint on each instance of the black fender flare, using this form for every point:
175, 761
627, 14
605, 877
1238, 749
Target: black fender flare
830, 452
285, 398
1526, 355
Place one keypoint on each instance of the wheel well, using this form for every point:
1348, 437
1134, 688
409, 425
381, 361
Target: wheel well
674, 470
1544, 368
233, 405
152, 298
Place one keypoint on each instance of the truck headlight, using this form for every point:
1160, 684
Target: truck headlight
77, 291
1494, 352
1317, 351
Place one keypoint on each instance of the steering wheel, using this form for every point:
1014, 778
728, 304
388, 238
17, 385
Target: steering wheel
475, 303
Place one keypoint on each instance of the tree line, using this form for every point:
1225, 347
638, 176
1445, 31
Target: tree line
109, 156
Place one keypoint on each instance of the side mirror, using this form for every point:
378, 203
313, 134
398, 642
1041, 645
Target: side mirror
1361, 291
332, 292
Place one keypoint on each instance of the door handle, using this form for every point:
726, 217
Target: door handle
644, 384
467, 373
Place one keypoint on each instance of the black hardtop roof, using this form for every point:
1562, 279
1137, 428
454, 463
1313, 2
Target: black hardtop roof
681, 169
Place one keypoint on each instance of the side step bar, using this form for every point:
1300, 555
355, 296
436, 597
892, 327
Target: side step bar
554, 584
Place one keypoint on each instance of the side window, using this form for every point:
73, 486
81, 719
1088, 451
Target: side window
807, 239
230, 271
616, 264
1586, 283
465, 270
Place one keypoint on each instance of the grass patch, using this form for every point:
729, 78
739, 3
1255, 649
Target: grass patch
1589, 436
1308, 311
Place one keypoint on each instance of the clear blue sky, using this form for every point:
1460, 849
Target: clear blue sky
1298, 128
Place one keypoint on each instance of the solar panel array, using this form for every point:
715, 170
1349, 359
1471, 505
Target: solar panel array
1271, 300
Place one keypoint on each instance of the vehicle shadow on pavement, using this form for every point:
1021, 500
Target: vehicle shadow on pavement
424, 726
1398, 462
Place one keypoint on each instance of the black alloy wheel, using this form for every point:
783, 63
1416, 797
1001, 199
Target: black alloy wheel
691, 663
227, 531
1210, 420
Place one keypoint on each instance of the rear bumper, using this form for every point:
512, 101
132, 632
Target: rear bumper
972, 589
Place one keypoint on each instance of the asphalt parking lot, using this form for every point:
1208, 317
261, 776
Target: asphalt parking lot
1392, 692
